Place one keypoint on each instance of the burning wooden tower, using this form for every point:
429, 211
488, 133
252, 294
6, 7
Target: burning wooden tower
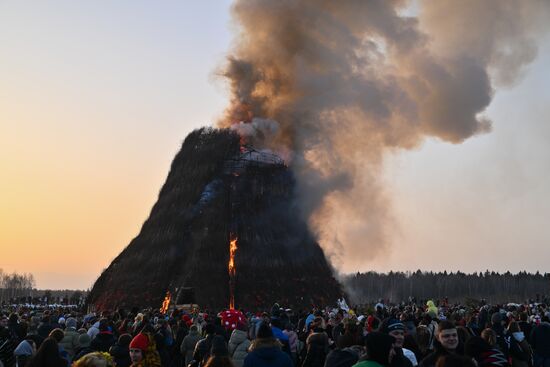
225, 228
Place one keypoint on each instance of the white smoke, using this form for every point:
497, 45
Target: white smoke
350, 81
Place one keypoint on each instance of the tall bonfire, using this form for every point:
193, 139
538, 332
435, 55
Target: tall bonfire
227, 229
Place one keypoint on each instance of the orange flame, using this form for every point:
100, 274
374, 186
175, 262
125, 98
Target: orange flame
232, 270
232, 250
166, 302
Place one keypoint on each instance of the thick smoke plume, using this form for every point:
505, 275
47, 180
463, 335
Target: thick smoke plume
336, 85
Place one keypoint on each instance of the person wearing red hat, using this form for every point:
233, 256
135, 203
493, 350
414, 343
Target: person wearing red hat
143, 351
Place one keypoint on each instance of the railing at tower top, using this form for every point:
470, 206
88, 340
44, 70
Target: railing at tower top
249, 157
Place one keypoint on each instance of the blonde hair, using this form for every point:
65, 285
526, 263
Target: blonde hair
95, 359
490, 336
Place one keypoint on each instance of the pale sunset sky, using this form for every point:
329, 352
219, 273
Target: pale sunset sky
96, 99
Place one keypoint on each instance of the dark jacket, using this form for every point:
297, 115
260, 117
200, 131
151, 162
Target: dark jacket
7, 347
503, 339
103, 341
121, 355
188, 345
267, 353
520, 352
44, 329
346, 357
202, 350
399, 360
540, 340
432, 358
317, 350
17, 332
81, 352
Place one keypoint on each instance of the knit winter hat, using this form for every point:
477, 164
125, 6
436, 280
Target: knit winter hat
264, 332
71, 322
378, 347
84, 340
140, 341
393, 324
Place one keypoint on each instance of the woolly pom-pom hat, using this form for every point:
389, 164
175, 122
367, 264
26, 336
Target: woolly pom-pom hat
140, 341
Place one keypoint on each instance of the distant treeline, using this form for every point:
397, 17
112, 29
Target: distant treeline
491, 286
15, 285
20, 288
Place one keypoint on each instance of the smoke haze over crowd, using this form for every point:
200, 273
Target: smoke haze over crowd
346, 82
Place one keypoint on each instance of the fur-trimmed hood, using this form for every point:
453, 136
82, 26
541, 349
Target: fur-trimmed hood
265, 343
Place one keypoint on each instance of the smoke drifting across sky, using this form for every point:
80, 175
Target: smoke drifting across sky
349, 81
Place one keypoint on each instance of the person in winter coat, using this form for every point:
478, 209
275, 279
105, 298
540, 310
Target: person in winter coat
454, 360
265, 351
180, 330
189, 343
317, 347
520, 350
431, 309
45, 327
239, 344
429, 321
446, 343
58, 335
164, 329
219, 355
502, 336
95, 359
83, 347
380, 350
143, 351
24, 351
348, 348
276, 328
202, 349
396, 328
17, 330
47, 355
292, 341
6, 347
485, 356
103, 340
121, 351
94, 328
540, 341
70, 338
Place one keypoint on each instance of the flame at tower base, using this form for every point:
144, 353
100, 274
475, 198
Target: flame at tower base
232, 271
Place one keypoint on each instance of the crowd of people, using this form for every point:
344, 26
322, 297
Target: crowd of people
400, 335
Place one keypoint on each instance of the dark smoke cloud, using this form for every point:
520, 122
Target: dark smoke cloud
345, 82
